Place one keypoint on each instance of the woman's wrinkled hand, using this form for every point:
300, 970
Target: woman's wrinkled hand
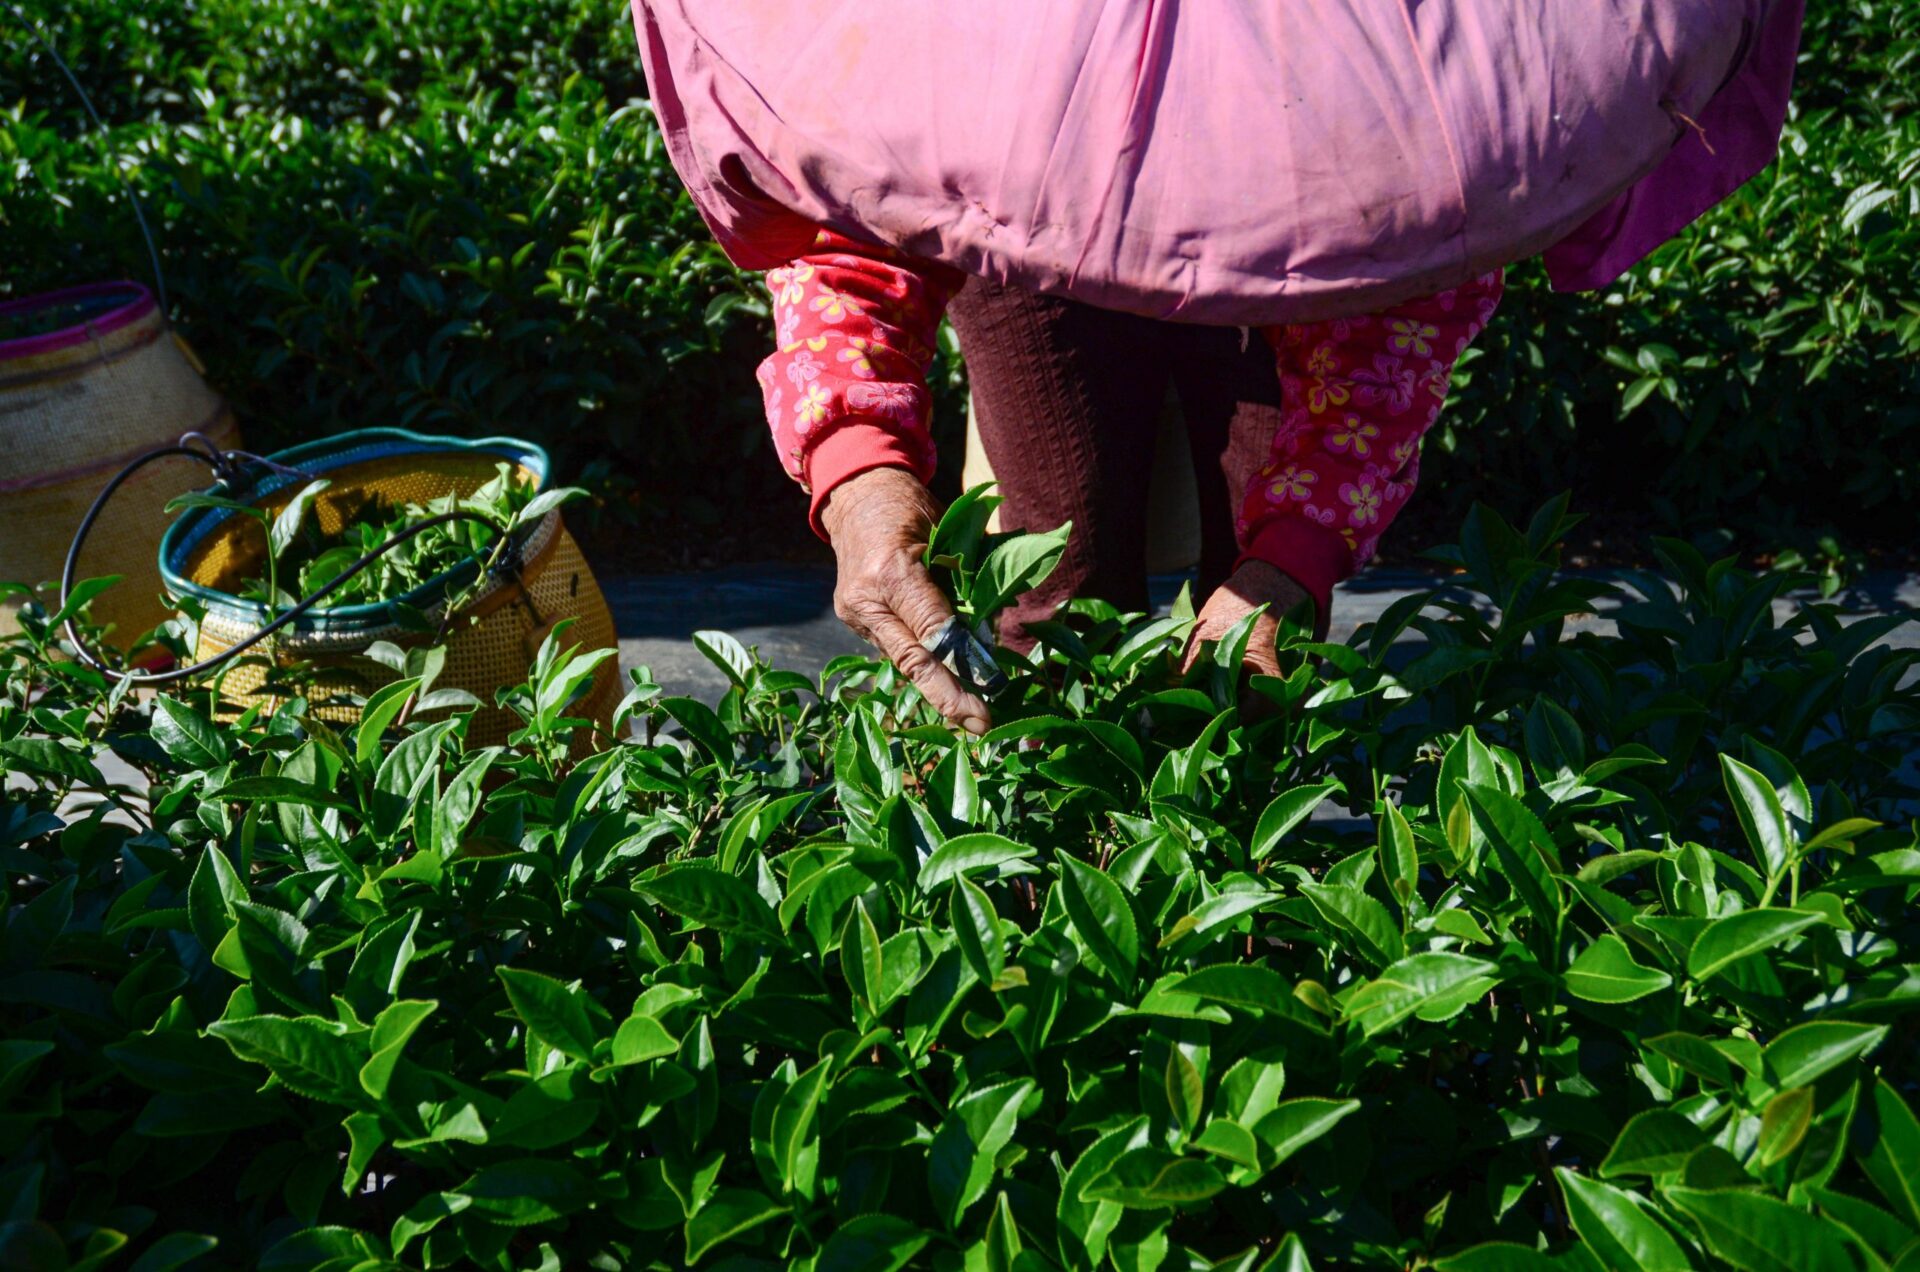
1254, 584
879, 522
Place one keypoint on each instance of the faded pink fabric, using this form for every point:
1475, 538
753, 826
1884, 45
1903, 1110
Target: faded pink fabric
1218, 161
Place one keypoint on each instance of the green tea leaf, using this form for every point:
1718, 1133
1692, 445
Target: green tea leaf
1519, 842
1888, 1150
1757, 1232
1555, 743
1369, 930
566, 682
1151, 1178
860, 958
175, 1250
554, 1012
1805, 1052
1250, 1089
1231, 1141
795, 1137
281, 791
210, 896
383, 708
1215, 915
1243, 985
1844, 831
967, 855
1500, 1256
52, 758
1869, 1225
200, 499
1231, 650
1653, 1142
1783, 1125
392, 1029
1289, 1256
726, 653
386, 949
186, 735
1101, 916
1294, 1124
873, 1243
1725, 942
287, 524
1185, 1089
84, 593
977, 929
701, 725
960, 1161
424, 1216
1084, 1223
310, 1056
1695, 1055
1616, 1226
178, 1061
953, 791
1467, 762
545, 502
709, 898
640, 1039
1605, 972
1399, 859
1435, 986
1761, 818
406, 771
365, 1137
323, 1247
1016, 566
1001, 1246
1286, 812
962, 526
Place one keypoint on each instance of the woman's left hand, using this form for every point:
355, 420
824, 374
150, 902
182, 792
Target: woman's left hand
1254, 584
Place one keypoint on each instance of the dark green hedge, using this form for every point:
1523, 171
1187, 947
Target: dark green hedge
1763, 371
459, 217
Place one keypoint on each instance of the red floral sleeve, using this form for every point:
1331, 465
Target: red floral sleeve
846, 389
1358, 395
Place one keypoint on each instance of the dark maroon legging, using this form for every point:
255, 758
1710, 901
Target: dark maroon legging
1067, 398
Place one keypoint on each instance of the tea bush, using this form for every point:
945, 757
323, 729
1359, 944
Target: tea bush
1608, 964
459, 216
1761, 372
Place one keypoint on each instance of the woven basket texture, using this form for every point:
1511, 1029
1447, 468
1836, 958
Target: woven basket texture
99, 381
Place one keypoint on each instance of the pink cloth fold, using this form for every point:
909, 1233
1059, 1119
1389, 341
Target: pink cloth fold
1219, 162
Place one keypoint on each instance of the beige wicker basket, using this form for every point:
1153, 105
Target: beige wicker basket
90, 378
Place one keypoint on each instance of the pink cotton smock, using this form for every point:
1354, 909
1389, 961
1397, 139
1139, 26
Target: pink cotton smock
1220, 161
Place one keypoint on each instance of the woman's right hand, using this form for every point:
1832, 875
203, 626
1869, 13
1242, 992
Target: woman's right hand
879, 522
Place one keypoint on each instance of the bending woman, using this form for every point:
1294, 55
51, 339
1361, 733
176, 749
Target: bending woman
1106, 192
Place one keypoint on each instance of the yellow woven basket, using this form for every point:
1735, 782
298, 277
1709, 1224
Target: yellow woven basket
90, 377
208, 554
